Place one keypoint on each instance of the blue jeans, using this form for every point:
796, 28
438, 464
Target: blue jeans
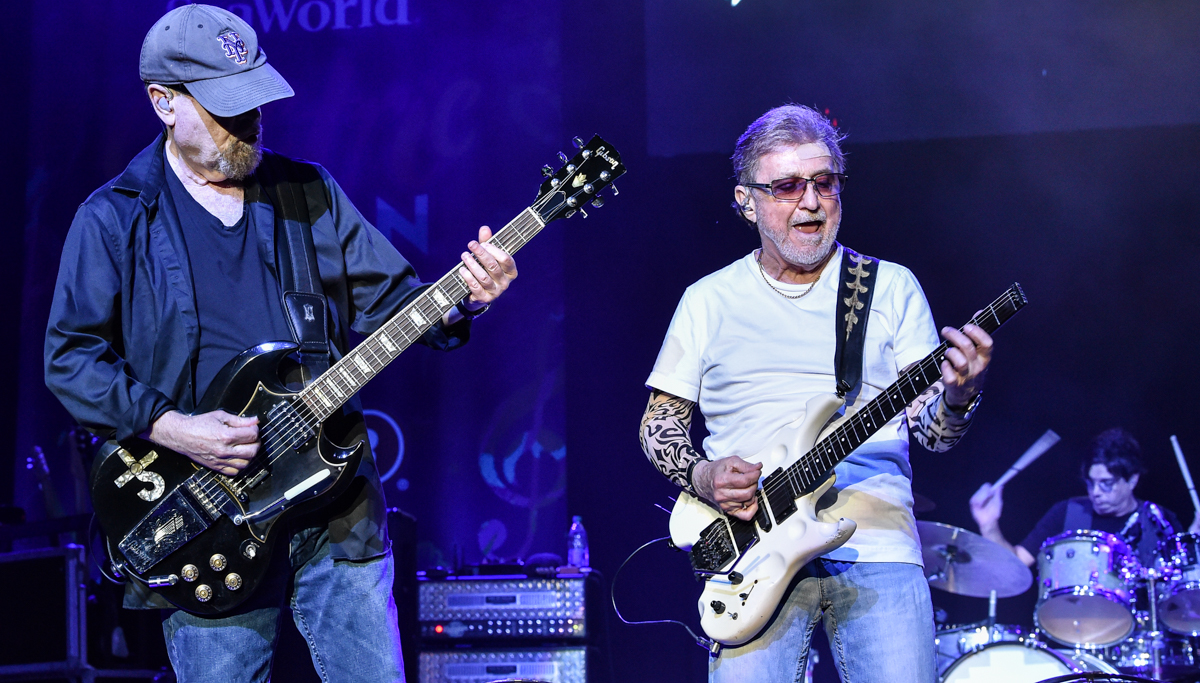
344, 609
878, 617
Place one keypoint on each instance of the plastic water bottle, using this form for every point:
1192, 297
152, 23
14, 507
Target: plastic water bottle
577, 544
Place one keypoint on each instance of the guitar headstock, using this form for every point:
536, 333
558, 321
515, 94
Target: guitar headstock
579, 181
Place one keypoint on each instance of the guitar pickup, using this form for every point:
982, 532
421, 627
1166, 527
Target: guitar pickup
779, 496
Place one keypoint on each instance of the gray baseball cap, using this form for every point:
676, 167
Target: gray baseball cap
216, 55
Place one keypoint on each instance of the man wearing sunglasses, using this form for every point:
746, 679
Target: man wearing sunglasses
750, 344
1110, 472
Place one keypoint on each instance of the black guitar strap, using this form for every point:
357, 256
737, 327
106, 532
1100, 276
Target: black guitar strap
856, 288
303, 297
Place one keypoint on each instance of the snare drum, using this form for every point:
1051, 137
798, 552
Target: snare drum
1179, 589
952, 642
1020, 663
1085, 594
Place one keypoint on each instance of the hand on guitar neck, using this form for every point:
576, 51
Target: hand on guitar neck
730, 484
220, 441
966, 363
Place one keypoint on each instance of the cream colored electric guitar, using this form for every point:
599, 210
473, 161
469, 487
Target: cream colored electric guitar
747, 566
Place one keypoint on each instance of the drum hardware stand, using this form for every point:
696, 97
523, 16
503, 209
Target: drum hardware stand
1156, 636
992, 609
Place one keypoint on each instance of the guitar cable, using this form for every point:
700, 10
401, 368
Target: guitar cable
712, 646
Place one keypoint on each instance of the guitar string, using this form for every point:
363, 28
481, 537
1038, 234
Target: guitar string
825, 446
276, 437
927, 364
210, 484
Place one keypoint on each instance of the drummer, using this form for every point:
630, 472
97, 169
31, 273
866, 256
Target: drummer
1110, 472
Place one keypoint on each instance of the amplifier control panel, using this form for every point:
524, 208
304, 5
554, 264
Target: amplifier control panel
491, 608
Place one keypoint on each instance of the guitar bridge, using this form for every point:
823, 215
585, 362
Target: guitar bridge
720, 544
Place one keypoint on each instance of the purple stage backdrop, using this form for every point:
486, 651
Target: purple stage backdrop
436, 118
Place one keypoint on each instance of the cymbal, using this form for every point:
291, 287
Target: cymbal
965, 563
921, 504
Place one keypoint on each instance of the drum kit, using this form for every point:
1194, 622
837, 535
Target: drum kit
1098, 609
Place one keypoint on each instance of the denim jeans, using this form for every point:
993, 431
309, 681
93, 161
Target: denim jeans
878, 617
344, 609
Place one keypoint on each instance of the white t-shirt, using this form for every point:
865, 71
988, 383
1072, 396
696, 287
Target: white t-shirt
751, 359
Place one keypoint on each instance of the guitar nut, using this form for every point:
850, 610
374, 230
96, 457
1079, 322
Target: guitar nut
218, 562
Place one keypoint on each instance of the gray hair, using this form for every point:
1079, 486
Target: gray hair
785, 126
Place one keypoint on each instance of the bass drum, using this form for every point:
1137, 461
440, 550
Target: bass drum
952, 642
1020, 663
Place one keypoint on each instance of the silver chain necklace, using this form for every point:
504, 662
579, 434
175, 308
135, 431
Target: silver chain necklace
779, 291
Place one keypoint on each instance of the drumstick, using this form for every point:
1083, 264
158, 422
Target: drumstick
1035, 451
1187, 475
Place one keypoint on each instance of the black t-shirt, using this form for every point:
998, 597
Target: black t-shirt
237, 298
1051, 524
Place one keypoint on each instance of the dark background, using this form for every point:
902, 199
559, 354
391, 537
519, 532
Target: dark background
1052, 145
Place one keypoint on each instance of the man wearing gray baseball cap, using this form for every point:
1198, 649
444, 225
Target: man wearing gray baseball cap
204, 247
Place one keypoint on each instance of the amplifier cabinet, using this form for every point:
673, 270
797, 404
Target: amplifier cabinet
43, 629
529, 609
551, 665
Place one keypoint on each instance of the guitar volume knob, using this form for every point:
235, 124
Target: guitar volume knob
233, 581
204, 592
218, 562
190, 572
717, 606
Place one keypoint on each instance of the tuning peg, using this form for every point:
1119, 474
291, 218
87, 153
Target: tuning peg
598, 202
562, 157
578, 142
615, 190
547, 171
583, 212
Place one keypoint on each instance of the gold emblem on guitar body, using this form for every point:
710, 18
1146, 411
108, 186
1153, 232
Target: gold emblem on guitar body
137, 470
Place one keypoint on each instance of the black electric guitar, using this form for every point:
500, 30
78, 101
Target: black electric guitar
202, 540
748, 566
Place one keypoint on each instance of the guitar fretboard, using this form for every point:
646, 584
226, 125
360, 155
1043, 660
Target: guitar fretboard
812, 467
333, 388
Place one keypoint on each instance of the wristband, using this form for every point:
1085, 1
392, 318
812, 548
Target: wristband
468, 313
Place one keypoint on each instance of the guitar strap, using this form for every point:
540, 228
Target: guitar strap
303, 297
856, 288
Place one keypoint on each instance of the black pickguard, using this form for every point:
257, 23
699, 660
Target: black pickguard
198, 514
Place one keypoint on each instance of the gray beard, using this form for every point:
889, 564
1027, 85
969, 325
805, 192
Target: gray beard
239, 160
807, 256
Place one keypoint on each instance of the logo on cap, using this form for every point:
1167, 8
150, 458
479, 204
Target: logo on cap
234, 46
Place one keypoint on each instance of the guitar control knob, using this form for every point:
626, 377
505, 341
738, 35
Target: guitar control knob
204, 592
717, 606
233, 581
218, 562
250, 550
190, 572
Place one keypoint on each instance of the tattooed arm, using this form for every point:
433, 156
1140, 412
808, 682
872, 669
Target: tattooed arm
729, 483
939, 417
936, 427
